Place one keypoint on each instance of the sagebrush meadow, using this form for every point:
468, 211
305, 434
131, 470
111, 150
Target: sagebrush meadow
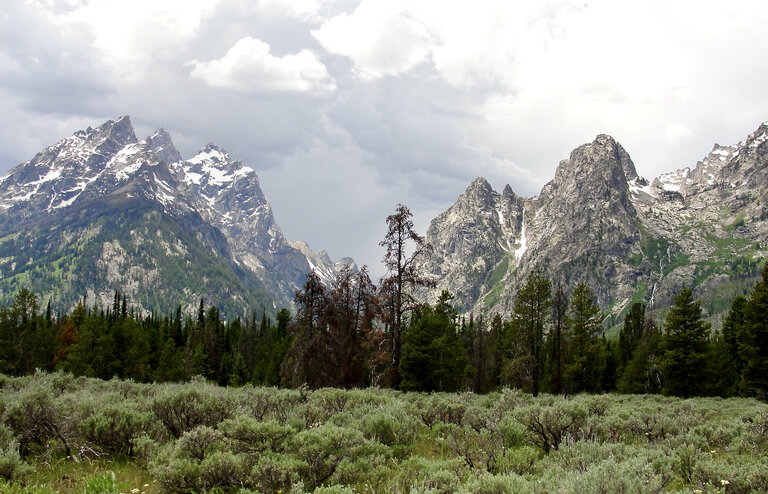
199, 437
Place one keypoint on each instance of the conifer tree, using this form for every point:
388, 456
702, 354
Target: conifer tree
586, 353
683, 366
558, 338
307, 360
632, 332
641, 373
433, 358
753, 341
524, 340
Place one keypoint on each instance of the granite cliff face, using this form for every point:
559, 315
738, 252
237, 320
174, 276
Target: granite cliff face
102, 211
598, 222
476, 241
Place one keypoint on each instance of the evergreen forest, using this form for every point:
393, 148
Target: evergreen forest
539, 400
353, 334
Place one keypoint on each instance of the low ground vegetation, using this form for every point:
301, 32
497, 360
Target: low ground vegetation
74, 434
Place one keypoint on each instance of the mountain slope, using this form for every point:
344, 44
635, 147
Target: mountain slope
598, 222
101, 211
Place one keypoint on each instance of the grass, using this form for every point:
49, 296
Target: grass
493, 280
100, 475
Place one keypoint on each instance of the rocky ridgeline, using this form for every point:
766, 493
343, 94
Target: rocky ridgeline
102, 211
598, 222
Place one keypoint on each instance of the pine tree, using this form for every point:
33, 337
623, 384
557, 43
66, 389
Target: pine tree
641, 373
524, 340
724, 378
632, 332
558, 338
753, 341
433, 358
586, 353
171, 364
307, 360
684, 368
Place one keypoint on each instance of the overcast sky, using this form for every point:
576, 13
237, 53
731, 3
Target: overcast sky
346, 108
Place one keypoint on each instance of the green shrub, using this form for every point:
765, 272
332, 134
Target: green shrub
630, 476
176, 474
551, 422
418, 474
196, 443
389, 425
223, 469
35, 418
256, 401
12, 466
275, 472
740, 473
115, 427
322, 448
448, 408
248, 435
181, 408
485, 483
519, 460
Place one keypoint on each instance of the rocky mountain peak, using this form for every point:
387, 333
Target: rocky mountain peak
480, 184
115, 135
212, 158
105, 174
604, 160
508, 194
596, 175
479, 194
599, 223
162, 145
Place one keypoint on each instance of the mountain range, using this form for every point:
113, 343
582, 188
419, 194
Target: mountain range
629, 239
101, 211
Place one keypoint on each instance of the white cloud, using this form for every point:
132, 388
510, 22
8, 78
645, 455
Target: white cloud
380, 37
250, 67
677, 131
307, 10
131, 36
622, 49
428, 94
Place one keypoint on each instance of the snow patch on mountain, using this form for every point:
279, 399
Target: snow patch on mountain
523, 242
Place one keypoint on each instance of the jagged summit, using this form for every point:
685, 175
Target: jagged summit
210, 204
604, 159
478, 192
508, 192
598, 222
163, 147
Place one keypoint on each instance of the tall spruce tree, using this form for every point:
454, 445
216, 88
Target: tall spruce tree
641, 372
632, 332
684, 368
753, 341
586, 353
525, 338
433, 357
558, 338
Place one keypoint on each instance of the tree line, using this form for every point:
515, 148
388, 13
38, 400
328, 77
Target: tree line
350, 333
